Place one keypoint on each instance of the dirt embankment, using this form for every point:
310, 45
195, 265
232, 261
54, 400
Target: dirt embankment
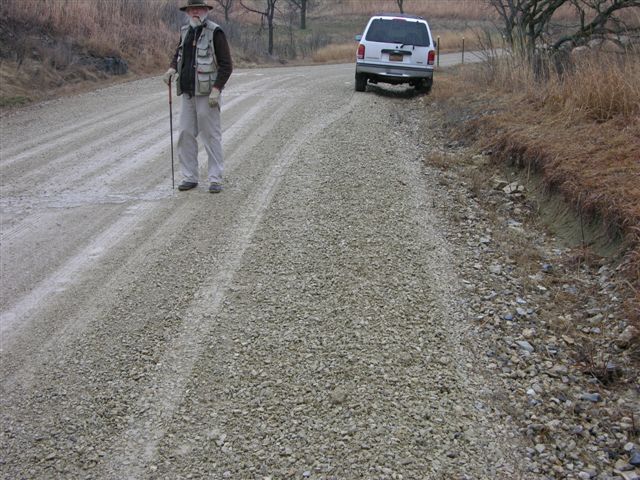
36, 64
592, 164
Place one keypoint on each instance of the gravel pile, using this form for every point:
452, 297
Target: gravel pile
343, 356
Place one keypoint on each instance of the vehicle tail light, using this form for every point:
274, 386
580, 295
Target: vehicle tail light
431, 57
360, 52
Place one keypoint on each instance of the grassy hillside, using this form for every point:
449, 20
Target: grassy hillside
49, 47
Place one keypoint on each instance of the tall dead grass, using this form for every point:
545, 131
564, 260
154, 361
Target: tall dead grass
137, 29
461, 9
599, 85
342, 53
603, 87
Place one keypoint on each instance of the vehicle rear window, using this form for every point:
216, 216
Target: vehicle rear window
398, 31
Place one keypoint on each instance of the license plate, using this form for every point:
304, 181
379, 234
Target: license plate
395, 57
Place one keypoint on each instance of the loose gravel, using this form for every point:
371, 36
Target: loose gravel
329, 316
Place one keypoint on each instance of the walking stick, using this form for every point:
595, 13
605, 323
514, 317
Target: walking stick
173, 180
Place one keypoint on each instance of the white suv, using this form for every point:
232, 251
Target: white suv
396, 49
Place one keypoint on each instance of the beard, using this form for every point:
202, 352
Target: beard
196, 22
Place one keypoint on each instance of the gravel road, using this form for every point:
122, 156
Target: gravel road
303, 324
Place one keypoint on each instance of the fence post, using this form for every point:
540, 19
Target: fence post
463, 50
438, 53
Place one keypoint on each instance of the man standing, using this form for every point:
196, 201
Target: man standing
203, 65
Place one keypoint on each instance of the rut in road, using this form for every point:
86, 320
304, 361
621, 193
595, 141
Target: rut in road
303, 323
139, 442
74, 188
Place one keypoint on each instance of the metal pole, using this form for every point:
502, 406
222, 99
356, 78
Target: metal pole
463, 50
173, 178
438, 53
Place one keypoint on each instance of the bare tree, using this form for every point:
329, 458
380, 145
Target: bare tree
268, 13
301, 5
400, 2
527, 22
599, 17
227, 6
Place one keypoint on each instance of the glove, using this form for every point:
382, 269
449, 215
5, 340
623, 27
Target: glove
166, 78
214, 97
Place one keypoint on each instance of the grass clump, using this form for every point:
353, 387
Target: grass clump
14, 101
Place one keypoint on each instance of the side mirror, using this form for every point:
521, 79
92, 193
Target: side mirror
435, 44
358, 38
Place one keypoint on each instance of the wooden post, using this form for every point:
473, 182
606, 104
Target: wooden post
463, 50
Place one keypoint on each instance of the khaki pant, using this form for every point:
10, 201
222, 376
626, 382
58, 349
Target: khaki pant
197, 117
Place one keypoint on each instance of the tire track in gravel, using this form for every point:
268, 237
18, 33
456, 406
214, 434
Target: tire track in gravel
118, 232
88, 367
69, 272
137, 447
32, 150
337, 354
88, 128
79, 165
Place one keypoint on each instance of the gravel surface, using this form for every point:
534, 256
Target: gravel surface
318, 319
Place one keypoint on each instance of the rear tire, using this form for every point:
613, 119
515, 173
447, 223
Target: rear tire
424, 86
361, 82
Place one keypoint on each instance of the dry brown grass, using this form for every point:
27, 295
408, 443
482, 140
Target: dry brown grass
135, 30
473, 38
462, 9
342, 53
581, 131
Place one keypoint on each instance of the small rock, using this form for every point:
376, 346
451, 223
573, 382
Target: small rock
525, 345
495, 269
625, 339
591, 397
338, 396
628, 475
514, 187
499, 184
540, 448
623, 466
635, 459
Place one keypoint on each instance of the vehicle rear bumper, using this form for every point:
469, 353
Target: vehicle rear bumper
394, 72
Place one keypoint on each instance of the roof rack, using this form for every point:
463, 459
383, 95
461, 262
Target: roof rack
398, 15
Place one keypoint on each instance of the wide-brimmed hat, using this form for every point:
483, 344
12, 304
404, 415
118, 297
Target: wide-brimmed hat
196, 3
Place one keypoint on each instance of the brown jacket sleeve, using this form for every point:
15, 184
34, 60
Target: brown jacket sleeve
223, 56
174, 60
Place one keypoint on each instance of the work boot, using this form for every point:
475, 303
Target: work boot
215, 187
187, 186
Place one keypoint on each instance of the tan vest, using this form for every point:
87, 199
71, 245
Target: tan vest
205, 59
